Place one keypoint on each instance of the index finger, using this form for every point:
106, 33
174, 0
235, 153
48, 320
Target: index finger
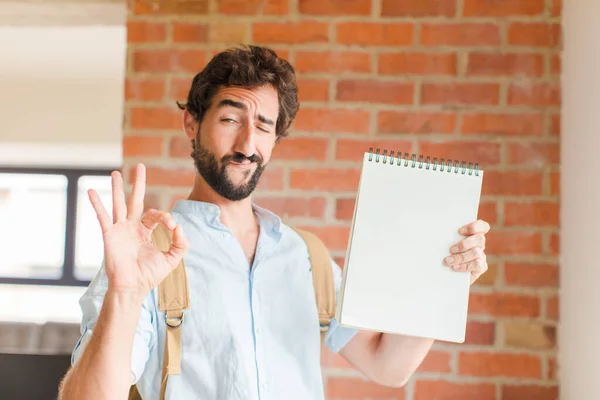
472, 228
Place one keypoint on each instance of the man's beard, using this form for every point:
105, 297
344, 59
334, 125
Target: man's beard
217, 177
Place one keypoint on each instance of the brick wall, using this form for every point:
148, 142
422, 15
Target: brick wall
470, 79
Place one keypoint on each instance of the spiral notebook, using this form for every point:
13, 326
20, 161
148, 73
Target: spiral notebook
407, 215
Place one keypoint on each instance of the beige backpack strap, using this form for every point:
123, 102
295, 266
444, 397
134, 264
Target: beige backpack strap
173, 298
322, 278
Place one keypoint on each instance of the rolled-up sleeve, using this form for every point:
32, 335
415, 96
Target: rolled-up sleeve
91, 305
338, 336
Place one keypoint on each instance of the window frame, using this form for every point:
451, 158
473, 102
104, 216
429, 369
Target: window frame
72, 175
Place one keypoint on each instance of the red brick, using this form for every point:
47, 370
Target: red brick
335, 7
418, 122
554, 244
339, 261
375, 33
529, 392
435, 361
526, 124
483, 153
422, 8
334, 237
253, 7
490, 276
507, 365
555, 65
271, 179
180, 88
142, 146
534, 94
503, 64
359, 389
529, 335
168, 60
325, 179
556, 8
344, 209
151, 201
555, 125
144, 89
228, 32
180, 147
513, 242
291, 32
447, 390
534, 34
459, 34
460, 93
512, 183
301, 148
534, 154
504, 305
481, 333
162, 176
155, 118
353, 150
152, 7
555, 183
552, 367
535, 213
146, 32
185, 32
417, 63
335, 62
312, 89
488, 212
375, 91
313, 207
504, 8
334, 120
531, 274
552, 308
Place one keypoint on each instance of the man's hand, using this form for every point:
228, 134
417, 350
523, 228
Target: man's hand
468, 254
133, 264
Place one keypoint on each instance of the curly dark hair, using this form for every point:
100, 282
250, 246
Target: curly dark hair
246, 66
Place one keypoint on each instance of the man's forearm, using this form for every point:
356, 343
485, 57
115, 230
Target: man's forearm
397, 357
104, 369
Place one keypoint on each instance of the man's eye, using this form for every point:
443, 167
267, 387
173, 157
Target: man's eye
229, 120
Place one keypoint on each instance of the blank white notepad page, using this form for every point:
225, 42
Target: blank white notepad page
405, 221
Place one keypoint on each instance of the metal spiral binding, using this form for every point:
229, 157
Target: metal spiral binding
414, 161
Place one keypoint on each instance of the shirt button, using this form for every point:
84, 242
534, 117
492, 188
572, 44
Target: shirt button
266, 387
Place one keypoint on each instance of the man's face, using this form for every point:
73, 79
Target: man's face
235, 139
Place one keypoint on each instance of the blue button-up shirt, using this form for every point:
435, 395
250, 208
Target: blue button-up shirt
250, 334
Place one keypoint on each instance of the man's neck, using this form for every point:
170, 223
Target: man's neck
236, 215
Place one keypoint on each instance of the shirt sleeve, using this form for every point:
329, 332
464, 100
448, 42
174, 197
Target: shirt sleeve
91, 304
338, 336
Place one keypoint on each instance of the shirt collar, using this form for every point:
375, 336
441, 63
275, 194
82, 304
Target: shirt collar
210, 213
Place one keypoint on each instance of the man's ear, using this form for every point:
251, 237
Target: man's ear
190, 125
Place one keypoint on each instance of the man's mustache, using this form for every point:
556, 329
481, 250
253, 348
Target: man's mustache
239, 158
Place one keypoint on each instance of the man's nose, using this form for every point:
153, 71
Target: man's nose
245, 141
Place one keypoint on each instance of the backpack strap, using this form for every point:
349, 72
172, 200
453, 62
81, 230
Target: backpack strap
173, 298
322, 278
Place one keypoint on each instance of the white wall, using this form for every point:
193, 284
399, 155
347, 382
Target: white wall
61, 95
579, 339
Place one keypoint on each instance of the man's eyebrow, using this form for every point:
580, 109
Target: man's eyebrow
232, 103
242, 106
265, 120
